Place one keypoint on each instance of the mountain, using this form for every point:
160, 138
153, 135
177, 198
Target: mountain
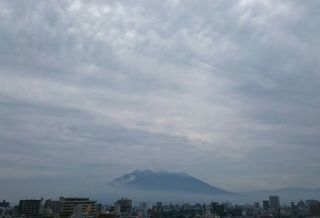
147, 180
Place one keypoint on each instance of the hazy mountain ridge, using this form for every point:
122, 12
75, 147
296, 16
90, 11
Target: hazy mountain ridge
286, 194
167, 182
146, 184
289, 190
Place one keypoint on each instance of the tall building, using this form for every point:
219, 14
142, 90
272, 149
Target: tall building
274, 202
71, 205
30, 208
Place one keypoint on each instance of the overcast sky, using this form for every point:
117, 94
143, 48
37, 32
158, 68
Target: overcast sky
227, 91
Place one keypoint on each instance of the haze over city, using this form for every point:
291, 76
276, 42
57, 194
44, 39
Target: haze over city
226, 91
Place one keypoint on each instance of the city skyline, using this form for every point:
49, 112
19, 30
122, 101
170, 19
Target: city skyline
226, 91
83, 207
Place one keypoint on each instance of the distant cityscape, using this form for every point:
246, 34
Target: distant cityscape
76, 207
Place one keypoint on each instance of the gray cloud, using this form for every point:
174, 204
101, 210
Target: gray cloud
94, 89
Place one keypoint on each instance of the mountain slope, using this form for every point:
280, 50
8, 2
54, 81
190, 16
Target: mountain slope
166, 181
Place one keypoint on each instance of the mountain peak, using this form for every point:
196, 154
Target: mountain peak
141, 171
165, 181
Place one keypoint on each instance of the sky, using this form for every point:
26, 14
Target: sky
226, 91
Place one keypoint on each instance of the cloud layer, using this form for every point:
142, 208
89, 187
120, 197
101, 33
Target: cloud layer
227, 91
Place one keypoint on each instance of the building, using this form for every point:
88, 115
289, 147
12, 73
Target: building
52, 206
77, 213
301, 204
256, 205
311, 202
315, 210
70, 206
99, 209
117, 211
217, 209
4, 204
274, 202
142, 210
30, 208
106, 215
265, 205
5, 209
125, 206
157, 210
236, 212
